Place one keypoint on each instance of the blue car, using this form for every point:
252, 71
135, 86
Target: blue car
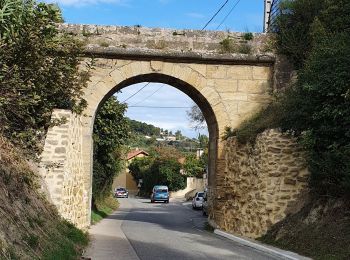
160, 193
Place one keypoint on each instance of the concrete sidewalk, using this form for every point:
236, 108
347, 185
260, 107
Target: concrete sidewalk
108, 241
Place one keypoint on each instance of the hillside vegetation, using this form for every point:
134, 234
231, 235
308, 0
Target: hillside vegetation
315, 36
30, 227
38, 72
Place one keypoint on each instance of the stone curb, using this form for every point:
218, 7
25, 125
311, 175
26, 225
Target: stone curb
267, 249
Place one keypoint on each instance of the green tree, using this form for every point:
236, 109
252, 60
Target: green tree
178, 135
156, 171
294, 27
317, 108
194, 167
196, 117
139, 167
111, 131
38, 70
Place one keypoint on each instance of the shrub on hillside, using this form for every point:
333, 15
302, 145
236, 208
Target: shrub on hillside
38, 70
319, 107
315, 35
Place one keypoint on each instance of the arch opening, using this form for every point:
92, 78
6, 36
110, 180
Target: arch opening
196, 97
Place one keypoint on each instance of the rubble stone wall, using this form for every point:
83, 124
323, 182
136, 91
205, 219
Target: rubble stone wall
260, 185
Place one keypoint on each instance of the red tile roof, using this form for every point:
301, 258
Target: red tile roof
134, 153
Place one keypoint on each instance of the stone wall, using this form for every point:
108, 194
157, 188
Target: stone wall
193, 185
260, 184
62, 171
161, 39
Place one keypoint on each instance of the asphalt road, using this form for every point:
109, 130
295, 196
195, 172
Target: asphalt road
144, 230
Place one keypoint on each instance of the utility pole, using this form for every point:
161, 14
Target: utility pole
267, 11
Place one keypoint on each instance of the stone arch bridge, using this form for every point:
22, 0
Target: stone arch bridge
228, 87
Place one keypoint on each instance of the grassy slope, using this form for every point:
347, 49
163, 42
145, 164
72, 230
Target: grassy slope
30, 227
321, 230
103, 209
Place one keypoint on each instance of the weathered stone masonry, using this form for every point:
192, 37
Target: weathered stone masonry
260, 184
62, 168
227, 87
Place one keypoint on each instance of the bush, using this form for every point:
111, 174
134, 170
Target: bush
294, 26
227, 45
315, 35
194, 167
248, 36
38, 70
319, 106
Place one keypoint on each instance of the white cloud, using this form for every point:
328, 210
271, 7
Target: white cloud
85, 2
171, 119
195, 15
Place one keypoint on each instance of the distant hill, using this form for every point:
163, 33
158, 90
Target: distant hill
142, 128
160, 137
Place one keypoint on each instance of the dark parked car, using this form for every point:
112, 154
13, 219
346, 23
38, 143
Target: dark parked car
121, 193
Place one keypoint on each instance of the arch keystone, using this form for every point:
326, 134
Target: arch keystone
156, 65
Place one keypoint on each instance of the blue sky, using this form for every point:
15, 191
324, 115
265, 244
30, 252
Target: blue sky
177, 14
157, 94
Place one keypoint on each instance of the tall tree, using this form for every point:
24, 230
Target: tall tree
111, 131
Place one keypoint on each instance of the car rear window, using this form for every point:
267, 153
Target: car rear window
120, 189
201, 194
162, 190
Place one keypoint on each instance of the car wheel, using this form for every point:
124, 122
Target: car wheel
152, 201
167, 201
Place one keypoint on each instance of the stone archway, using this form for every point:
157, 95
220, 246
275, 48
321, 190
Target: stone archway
226, 93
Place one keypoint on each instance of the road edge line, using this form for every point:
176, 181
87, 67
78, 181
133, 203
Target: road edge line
270, 250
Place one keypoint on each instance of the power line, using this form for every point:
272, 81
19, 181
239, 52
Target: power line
148, 96
158, 107
136, 92
228, 14
218, 11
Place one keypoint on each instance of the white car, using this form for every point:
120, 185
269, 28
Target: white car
197, 201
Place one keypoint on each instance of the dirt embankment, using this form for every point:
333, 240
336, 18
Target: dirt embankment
321, 230
30, 227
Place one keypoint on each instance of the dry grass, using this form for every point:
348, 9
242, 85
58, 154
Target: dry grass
321, 230
30, 227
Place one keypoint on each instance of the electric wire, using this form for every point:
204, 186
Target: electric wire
136, 92
234, 6
148, 96
157, 107
218, 11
